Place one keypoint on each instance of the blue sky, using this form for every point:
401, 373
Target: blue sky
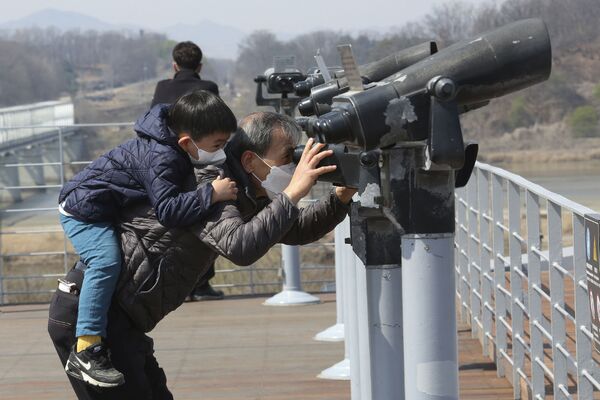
247, 15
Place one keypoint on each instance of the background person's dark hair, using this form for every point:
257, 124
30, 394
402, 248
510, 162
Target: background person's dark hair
200, 113
187, 55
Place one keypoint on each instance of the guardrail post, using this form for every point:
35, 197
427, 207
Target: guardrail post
536, 317
516, 286
486, 255
499, 278
582, 310
474, 261
462, 257
557, 295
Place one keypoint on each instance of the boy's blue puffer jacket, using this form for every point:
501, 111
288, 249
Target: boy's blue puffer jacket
150, 168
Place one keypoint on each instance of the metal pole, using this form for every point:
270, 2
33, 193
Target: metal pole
335, 333
61, 157
351, 328
364, 340
345, 255
292, 293
384, 288
430, 337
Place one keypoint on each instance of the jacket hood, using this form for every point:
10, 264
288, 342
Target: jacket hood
153, 124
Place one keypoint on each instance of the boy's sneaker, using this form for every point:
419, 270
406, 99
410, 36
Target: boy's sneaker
93, 366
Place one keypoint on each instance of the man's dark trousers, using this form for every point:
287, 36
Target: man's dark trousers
132, 352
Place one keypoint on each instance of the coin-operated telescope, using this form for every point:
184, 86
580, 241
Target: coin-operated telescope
400, 142
321, 92
279, 80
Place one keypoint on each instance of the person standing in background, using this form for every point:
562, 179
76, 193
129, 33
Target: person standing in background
187, 63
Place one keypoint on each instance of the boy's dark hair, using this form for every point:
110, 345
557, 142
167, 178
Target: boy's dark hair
187, 55
200, 113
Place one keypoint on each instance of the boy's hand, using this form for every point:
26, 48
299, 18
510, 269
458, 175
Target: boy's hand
223, 189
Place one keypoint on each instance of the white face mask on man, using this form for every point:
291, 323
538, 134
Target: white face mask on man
208, 158
277, 179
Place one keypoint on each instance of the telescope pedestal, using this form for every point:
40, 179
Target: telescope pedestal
292, 294
429, 312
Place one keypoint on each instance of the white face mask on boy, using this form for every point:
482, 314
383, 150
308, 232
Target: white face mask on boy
277, 179
208, 158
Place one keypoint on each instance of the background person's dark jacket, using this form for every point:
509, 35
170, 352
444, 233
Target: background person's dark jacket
150, 169
161, 266
169, 90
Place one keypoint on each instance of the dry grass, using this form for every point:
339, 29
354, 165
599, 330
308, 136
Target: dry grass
26, 268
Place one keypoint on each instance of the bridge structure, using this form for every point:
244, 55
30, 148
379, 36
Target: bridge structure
522, 296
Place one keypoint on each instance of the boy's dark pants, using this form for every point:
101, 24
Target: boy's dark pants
132, 352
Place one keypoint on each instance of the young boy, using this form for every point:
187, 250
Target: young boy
154, 168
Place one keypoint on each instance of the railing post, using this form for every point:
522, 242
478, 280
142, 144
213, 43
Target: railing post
474, 260
499, 278
583, 343
485, 252
516, 285
61, 166
462, 256
557, 295
536, 317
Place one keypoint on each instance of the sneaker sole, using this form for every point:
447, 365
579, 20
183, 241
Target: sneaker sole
82, 376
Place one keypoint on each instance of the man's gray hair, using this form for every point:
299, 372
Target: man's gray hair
257, 131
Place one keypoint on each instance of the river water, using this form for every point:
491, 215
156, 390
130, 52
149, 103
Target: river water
577, 181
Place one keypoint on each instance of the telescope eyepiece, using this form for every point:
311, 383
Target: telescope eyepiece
334, 127
306, 107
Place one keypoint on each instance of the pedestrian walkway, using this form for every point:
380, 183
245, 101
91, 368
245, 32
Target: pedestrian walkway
227, 350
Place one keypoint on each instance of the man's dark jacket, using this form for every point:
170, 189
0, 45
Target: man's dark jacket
151, 168
161, 266
185, 80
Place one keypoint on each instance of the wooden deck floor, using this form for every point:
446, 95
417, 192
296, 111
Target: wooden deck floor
226, 350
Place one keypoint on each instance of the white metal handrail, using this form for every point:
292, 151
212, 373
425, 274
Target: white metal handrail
512, 303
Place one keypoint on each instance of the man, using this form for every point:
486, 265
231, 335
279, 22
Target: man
157, 272
187, 63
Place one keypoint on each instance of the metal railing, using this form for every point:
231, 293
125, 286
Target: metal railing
44, 267
521, 283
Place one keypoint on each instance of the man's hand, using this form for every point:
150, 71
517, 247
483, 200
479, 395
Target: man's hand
306, 173
223, 189
345, 194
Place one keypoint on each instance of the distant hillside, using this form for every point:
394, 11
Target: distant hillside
216, 41
61, 20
